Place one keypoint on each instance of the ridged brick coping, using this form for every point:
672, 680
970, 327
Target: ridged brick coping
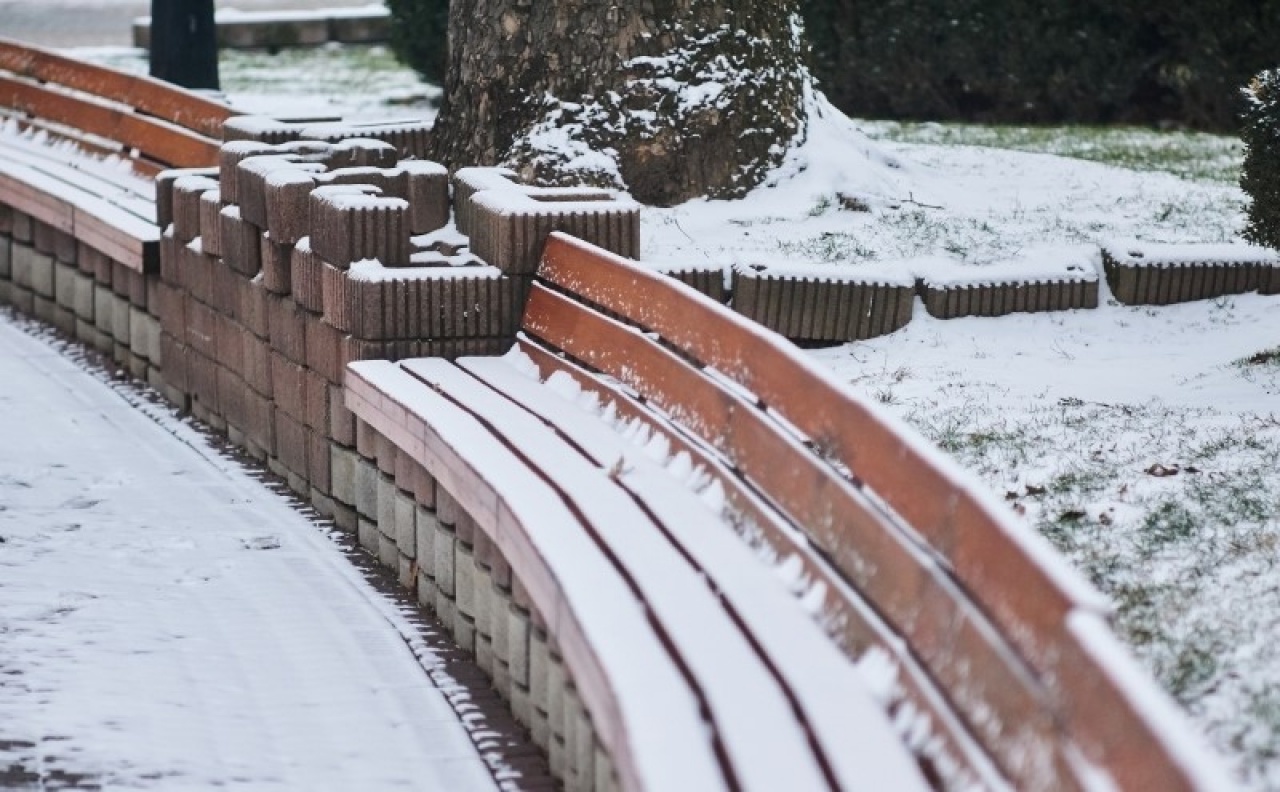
411, 139
353, 223
954, 300
507, 221
840, 304
1143, 273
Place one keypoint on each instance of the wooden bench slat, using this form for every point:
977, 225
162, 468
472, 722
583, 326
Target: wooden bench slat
111, 230
157, 139
854, 625
988, 554
826, 685
984, 677
659, 740
155, 97
753, 719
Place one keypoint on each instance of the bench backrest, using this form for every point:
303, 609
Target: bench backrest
158, 124
1014, 639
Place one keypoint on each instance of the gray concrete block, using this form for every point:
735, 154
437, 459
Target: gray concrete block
342, 473
582, 747
6, 258
367, 476
22, 299
521, 706
43, 308
368, 536
6, 292
539, 672
447, 509
444, 546
120, 318
82, 302
386, 495
555, 715
406, 574
606, 780
344, 517
42, 280
20, 264
484, 592
484, 653
103, 308
464, 580
464, 631
321, 502
406, 523
64, 285
426, 590
425, 526
388, 554
445, 610
517, 644
144, 334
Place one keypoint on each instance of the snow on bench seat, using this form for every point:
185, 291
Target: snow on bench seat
62, 198
643, 707
846, 721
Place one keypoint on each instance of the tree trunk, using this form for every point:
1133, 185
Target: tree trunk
670, 99
184, 43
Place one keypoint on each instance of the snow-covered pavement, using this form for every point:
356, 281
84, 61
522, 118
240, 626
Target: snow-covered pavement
167, 622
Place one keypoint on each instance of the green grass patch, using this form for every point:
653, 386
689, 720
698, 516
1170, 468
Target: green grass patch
1191, 155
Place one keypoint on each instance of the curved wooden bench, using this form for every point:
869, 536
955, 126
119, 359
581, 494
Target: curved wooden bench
103, 112
1001, 653
1013, 639
154, 123
780, 704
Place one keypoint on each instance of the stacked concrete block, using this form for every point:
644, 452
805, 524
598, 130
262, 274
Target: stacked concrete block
509, 222
1159, 274
84, 293
839, 304
411, 139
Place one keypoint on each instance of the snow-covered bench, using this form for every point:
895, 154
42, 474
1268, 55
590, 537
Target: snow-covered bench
610, 457
153, 123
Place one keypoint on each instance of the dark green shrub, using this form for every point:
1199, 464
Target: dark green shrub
419, 31
1082, 61
1260, 176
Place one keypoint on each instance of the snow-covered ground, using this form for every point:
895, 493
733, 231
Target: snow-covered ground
168, 623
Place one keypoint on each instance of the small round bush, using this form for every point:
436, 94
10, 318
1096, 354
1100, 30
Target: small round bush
419, 32
1260, 176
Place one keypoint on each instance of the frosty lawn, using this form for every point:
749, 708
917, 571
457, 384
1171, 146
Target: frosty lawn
1142, 441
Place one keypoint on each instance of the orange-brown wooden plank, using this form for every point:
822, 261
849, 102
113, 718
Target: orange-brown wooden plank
158, 140
154, 97
848, 619
983, 676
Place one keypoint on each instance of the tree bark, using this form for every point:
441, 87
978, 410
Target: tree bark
184, 43
670, 99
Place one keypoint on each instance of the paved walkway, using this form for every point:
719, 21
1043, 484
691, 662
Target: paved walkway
168, 623
81, 23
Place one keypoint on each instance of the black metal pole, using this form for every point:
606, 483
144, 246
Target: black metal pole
184, 43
